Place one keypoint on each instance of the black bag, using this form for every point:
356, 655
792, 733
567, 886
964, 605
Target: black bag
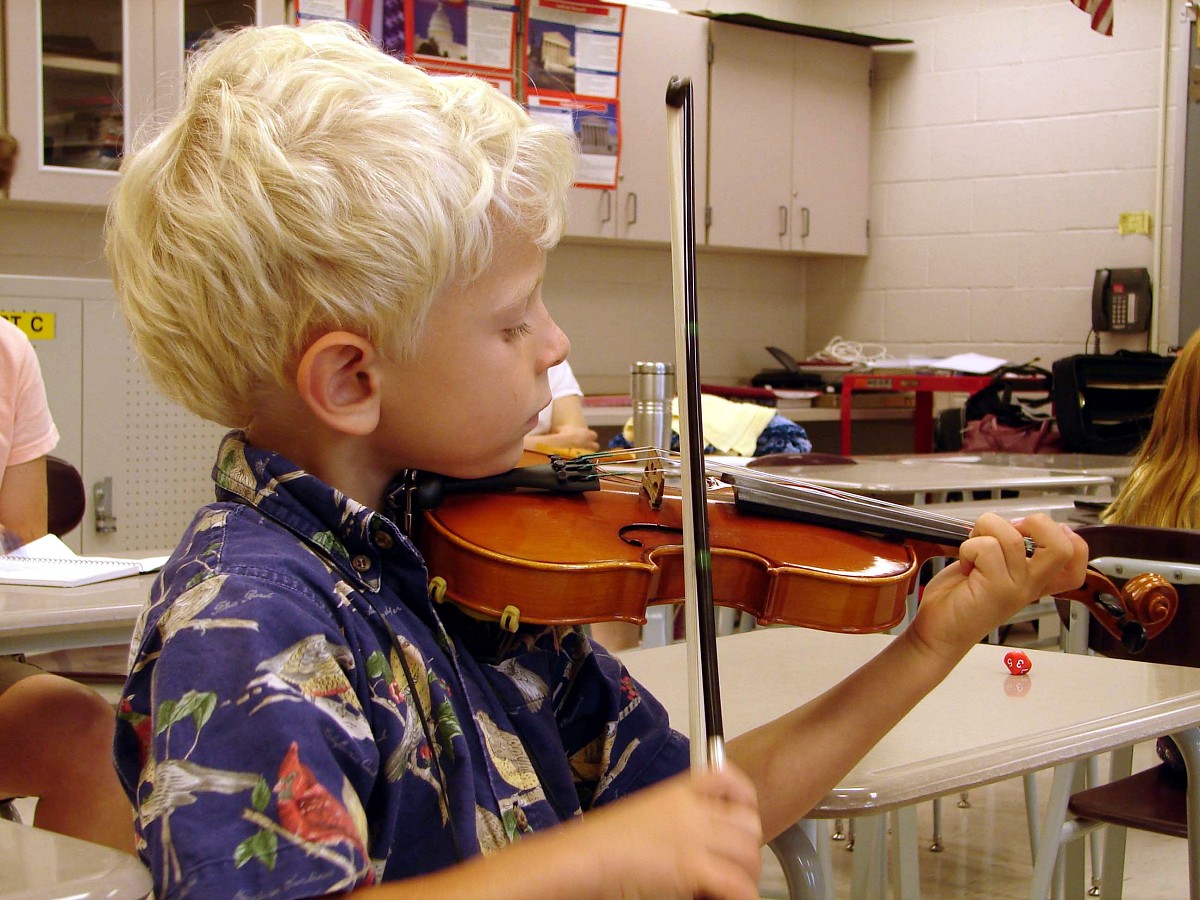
1018, 396
1012, 414
1104, 402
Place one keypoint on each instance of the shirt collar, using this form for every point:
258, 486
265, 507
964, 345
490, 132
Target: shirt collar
352, 536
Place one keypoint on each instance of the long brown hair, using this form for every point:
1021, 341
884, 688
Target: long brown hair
1164, 487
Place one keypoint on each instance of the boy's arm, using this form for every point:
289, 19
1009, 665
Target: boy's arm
795, 760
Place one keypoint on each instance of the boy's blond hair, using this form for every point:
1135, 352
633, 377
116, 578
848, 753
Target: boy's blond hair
1164, 487
311, 183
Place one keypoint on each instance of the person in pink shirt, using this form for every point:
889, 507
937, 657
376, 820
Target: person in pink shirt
55, 734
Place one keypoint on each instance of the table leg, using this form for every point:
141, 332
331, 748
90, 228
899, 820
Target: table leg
868, 879
847, 393
1188, 742
906, 871
1050, 833
923, 422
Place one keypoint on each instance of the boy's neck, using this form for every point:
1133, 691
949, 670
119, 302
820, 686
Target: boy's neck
341, 461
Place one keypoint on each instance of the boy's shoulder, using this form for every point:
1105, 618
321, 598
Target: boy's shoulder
232, 541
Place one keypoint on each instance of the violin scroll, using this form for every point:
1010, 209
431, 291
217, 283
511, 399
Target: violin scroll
1133, 613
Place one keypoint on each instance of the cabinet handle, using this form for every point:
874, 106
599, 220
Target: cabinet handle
102, 490
783, 221
804, 221
607, 207
631, 208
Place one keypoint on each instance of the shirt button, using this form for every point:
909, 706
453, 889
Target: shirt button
384, 540
361, 563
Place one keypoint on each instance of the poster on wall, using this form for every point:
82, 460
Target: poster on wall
464, 37
572, 60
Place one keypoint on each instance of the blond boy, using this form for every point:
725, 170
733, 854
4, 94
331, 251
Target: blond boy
342, 258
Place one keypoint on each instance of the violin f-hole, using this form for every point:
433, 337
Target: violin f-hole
624, 531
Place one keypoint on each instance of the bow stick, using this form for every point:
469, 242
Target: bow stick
704, 692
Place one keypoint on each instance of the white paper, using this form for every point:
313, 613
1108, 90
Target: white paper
970, 363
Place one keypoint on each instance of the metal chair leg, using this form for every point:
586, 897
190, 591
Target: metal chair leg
802, 869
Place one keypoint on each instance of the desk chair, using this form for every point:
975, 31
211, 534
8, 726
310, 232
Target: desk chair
65, 494
1152, 800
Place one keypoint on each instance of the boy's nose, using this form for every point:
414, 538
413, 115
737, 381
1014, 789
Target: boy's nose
558, 345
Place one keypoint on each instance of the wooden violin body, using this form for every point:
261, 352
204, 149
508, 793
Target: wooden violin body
600, 555
605, 555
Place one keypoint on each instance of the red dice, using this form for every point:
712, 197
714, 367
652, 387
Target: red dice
1018, 663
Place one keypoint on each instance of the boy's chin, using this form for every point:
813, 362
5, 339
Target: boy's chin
498, 464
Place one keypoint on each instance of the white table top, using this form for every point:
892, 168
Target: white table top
980, 725
42, 619
1082, 463
918, 474
1060, 507
42, 865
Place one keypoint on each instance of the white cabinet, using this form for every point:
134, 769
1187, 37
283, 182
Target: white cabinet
788, 142
83, 75
656, 46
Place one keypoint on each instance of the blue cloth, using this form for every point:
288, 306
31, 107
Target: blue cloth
781, 435
301, 718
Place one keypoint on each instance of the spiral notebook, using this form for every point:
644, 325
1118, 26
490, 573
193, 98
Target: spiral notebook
48, 562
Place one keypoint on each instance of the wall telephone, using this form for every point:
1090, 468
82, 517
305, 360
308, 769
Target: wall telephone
1121, 300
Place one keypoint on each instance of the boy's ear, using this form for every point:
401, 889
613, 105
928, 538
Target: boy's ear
338, 380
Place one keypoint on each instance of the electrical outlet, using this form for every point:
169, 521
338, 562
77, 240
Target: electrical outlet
1135, 223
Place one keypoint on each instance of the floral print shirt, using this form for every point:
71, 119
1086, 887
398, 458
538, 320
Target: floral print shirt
301, 718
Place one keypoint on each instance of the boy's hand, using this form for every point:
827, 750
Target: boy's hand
691, 836
993, 579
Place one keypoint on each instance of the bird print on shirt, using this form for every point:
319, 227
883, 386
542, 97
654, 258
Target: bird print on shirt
311, 670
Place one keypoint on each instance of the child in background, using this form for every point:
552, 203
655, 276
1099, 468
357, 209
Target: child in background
55, 734
341, 257
1163, 488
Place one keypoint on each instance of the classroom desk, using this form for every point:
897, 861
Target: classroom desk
42, 865
979, 726
928, 478
1115, 467
923, 388
44, 619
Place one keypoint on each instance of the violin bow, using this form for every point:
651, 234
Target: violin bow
704, 692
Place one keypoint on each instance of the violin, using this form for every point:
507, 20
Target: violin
577, 541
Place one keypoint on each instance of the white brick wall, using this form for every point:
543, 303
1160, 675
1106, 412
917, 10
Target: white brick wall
1006, 141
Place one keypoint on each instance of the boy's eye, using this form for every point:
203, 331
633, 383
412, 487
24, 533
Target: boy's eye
521, 330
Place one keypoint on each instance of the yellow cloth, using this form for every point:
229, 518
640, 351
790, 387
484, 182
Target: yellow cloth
732, 427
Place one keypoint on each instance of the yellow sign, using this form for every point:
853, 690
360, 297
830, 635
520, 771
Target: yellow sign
1134, 223
38, 326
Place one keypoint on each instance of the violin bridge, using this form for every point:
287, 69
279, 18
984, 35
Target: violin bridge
654, 483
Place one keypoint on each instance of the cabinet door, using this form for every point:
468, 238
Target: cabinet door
591, 213
81, 77
831, 147
657, 45
157, 455
750, 138
180, 24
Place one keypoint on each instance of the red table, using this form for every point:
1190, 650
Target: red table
924, 387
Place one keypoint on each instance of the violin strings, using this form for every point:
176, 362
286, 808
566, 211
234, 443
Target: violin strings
801, 495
